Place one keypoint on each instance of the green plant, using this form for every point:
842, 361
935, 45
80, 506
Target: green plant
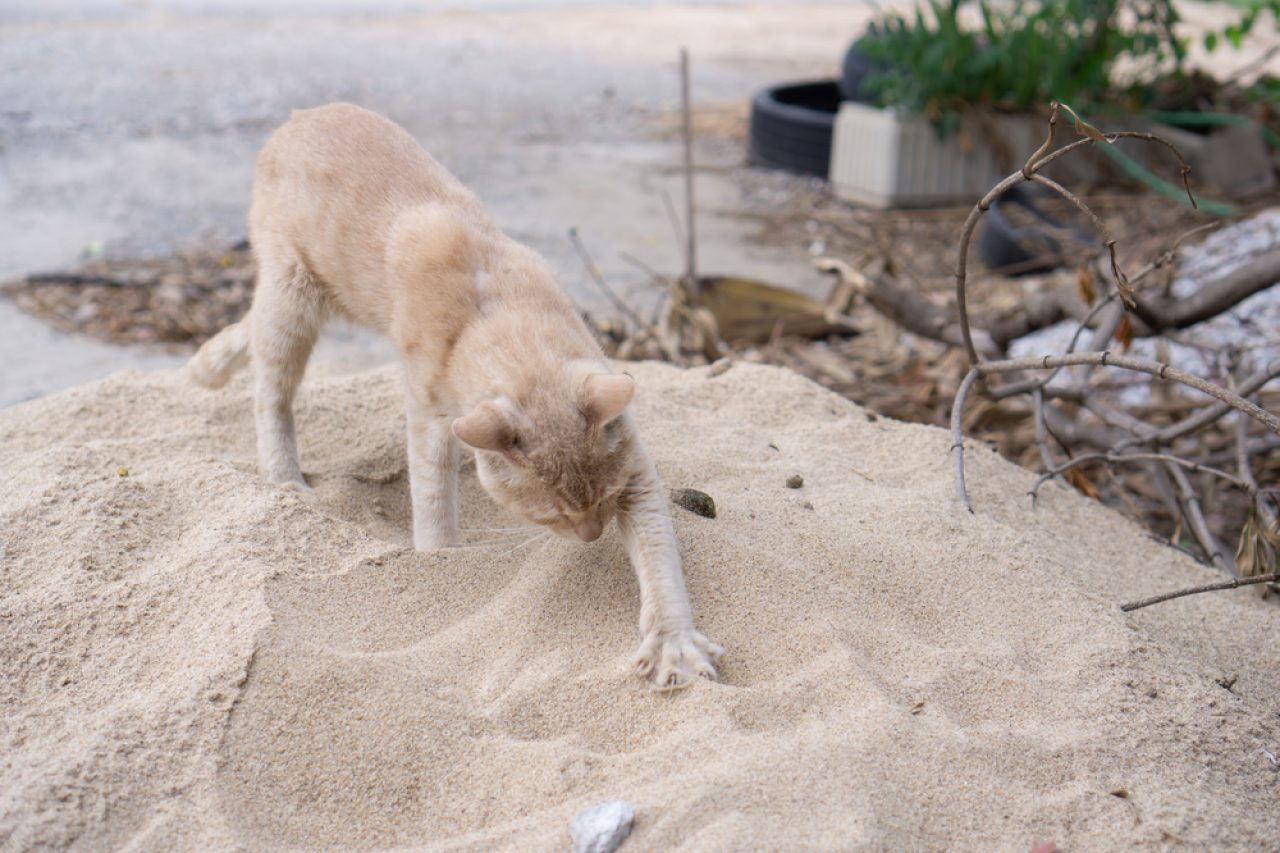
1021, 55
1235, 32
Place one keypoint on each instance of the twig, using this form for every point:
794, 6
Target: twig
1267, 514
1206, 416
1122, 282
1194, 515
1037, 400
1273, 577
1027, 172
1111, 458
1013, 388
1103, 359
691, 253
957, 434
1140, 365
82, 280
599, 279
677, 227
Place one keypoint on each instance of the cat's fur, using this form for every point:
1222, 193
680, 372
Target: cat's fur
351, 217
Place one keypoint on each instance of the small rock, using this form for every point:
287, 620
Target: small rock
719, 366
795, 481
602, 828
698, 503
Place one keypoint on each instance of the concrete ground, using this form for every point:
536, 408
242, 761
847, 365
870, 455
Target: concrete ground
130, 128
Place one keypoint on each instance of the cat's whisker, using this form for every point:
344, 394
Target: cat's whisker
543, 537
497, 529
506, 534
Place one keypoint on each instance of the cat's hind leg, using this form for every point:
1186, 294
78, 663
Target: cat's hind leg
288, 311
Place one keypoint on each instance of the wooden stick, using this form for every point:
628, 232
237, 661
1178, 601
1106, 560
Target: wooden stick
1273, 577
691, 256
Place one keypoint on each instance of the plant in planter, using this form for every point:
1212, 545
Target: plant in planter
1020, 56
957, 84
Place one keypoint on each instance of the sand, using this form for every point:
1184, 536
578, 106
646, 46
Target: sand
193, 659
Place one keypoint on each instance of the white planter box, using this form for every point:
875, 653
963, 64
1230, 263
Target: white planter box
881, 158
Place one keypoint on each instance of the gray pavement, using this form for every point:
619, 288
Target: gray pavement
130, 128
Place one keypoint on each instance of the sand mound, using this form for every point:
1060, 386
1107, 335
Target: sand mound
193, 659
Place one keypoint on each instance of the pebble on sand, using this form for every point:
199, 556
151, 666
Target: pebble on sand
602, 828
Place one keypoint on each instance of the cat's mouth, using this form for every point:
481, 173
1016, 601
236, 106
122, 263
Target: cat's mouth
585, 530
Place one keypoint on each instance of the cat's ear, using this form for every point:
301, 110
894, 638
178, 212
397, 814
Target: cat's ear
606, 395
489, 426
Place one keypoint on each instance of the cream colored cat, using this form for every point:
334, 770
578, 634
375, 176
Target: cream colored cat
350, 216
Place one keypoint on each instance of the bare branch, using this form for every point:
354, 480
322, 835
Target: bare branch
1104, 359
1231, 584
1206, 416
957, 434
1027, 173
598, 277
1152, 368
1265, 510
1194, 515
1112, 458
691, 252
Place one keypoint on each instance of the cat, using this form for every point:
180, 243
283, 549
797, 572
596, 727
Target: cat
351, 217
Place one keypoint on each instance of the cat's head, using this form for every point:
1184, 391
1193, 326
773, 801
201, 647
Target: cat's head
559, 456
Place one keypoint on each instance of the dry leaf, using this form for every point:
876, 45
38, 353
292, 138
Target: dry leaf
1124, 333
1084, 128
1084, 285
1256, 553
1083, 484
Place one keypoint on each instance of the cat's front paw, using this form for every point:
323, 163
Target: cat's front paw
675, 658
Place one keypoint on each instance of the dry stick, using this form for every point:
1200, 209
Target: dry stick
691, 256
971, 221
1122, 281
1037, 399
1111, 458
957, 435
1014, 388
1258, 448
677, 227
1273, 577
1192, 511
599, 279
1246, 472
1104, 359
1106, 330
1188, 502
1205, 416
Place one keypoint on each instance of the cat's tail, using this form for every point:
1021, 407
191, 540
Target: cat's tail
221, 356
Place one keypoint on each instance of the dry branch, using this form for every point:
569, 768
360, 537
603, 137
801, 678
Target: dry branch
1102, 359
1273, 577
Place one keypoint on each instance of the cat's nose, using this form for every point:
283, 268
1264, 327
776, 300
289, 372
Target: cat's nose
589, 530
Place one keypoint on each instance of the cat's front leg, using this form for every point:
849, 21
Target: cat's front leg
672, 651
433, 472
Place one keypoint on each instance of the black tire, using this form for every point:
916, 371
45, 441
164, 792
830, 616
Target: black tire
791, 126
854, 73
1026, 249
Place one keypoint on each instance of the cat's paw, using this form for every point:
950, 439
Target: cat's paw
299, 487
673, 659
